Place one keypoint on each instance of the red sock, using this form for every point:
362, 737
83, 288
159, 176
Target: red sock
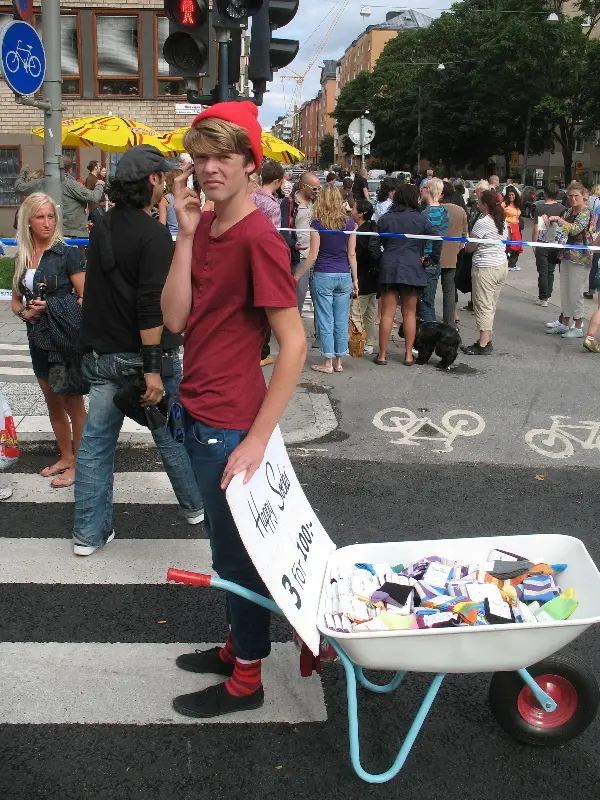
246, 678
227, 653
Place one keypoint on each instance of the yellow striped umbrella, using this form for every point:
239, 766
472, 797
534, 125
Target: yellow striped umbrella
110, 133
273, 148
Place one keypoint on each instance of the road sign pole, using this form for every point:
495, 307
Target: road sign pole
53, 98
362, 142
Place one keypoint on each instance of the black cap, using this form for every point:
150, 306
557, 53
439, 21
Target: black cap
139, 162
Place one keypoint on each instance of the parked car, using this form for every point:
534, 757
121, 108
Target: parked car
376, 173
373, 187
529, 196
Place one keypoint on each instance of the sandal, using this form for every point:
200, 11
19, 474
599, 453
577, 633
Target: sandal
322, 368
379, 363
51, 471
62, 483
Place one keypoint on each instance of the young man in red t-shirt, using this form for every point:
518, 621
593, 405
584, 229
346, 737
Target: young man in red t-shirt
229, 281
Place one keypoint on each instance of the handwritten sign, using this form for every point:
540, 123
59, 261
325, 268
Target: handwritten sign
284, 538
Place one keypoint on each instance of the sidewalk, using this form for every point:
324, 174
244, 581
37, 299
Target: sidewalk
309, 415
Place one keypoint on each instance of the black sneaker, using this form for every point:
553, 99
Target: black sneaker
205, 662
476, 349
216, 701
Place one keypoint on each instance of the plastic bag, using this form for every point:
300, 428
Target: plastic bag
9, 444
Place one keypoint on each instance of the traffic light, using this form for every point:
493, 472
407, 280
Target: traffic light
187, 47
266, 53
233, 14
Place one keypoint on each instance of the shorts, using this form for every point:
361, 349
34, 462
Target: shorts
39, 361
401, 288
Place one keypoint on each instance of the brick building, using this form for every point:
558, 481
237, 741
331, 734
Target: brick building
308, 117
111, 52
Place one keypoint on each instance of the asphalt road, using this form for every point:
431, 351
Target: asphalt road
461, 752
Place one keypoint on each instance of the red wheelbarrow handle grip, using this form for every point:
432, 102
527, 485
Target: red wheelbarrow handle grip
192, 578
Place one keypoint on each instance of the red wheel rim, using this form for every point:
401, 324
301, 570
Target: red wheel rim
560, 690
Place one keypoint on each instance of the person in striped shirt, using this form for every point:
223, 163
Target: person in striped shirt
431, 193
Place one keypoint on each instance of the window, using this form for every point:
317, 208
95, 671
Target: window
578, 146
117, 56
9, 170
69, 55
167, 86
596, 178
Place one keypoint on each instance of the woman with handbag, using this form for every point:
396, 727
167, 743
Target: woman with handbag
512, 215
47, 290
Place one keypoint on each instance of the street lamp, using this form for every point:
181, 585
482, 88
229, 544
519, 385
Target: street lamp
440, 67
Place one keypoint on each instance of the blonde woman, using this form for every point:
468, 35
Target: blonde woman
47, 285
333, 255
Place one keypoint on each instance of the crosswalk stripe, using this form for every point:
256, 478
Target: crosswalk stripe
39, 423
125, 561
5, 357
15, 370
133, 684
14, 347
129, 487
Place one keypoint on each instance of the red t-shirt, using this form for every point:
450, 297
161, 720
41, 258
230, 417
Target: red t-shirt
234, 278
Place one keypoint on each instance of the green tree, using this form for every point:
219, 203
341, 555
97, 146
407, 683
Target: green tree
326, 151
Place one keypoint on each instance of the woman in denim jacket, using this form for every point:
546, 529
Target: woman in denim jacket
48, 280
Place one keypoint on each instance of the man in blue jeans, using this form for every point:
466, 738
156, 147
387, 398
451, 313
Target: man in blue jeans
230, 279
122, 336
431, 193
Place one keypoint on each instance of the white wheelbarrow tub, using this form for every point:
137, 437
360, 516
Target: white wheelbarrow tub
472, 649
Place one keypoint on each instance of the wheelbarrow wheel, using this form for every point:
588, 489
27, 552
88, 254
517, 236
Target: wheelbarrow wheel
570, 683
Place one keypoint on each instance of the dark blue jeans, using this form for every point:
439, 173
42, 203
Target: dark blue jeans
96, 458
208, 449
426, 305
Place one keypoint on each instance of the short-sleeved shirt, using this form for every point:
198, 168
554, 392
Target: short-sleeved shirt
235, 276
494, 253
333, 248
439, 218
268, 205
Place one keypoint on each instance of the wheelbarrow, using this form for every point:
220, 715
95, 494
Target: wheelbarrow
536, 697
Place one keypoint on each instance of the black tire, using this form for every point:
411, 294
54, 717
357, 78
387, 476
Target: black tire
506, 688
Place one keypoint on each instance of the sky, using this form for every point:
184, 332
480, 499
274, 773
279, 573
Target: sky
309, 26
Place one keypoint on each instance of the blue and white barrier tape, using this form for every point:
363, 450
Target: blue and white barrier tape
459, 239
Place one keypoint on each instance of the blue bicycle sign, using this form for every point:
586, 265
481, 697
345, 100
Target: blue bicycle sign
22, 57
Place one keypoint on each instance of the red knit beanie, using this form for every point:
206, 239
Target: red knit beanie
244, 114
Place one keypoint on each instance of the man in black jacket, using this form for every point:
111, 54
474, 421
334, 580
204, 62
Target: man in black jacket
123, 338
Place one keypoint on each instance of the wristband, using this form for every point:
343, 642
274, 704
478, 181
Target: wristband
152, 358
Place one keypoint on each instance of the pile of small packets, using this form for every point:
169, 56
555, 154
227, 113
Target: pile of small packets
437, 592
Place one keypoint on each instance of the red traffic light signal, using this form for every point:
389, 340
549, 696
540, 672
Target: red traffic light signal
186, 49
186, 12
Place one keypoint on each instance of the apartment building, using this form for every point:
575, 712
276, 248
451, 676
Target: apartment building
308, 125
111, 52
283, 127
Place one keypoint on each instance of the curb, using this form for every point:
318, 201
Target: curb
132, 435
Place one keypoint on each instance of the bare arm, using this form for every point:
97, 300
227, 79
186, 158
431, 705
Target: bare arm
176, 300
78, 281
366, 193
352, 259
286, 324
162, 211
315, 243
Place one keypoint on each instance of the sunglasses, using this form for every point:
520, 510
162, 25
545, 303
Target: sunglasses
312, 188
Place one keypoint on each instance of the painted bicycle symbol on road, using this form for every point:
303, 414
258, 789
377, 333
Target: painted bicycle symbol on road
459, 422
23, 55
557, 441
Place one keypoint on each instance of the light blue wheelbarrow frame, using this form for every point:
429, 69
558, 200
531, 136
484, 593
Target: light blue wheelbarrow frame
354, 676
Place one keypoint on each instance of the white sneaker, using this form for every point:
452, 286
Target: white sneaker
88, 549
543, 303
558, 328
196, 518
5, 492
555, 324
514, 269
368, 350
573, 333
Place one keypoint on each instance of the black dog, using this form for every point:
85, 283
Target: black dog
436, 337
440, 338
